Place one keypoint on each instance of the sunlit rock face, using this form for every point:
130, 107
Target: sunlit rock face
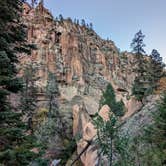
77, 55
83, 64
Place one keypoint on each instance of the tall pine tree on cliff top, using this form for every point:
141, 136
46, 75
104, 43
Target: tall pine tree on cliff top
141, 83
14, 144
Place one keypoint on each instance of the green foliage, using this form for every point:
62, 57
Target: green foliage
148, 148
156, 68
137, 44
68, 151
142, 83
121, 145
106, 132
109, 99
34, 2
139, 89
61, 18
15, 142
51, 126
149, 71
155, 135
29, 93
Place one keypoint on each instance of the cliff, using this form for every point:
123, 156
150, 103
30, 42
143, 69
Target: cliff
83, 64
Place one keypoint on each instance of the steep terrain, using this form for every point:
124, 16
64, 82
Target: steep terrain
83, 64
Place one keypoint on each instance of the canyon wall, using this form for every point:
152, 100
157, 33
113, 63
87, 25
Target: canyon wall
83, 64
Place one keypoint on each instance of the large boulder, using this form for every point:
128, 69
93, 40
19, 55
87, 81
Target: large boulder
105, 112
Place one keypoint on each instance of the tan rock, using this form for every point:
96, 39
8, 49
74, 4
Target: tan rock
91, 105
80, 119
80, 146
89, 157
132, 106
68, 93
105, 112
35, 150
89, 131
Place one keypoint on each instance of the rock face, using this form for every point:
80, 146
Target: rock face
83, 64
83, 126
76, 54
135, 124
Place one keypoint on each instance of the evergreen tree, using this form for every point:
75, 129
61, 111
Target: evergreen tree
54, 125
83, 23
53, 93
61, 18
155, 136
109, 99
29, 94
91, 26
137, 44
156, 68
106, 133
121, 149
77, 22
107, 130
141, 85
15, 144
33, 2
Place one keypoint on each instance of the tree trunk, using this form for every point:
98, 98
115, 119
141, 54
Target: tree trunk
111, 154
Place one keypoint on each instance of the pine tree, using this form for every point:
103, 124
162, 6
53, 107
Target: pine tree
15, 145
53, 93
106, 133
109, 99
141, 83
29, 94
33, 2
61, 18
77, 22
54, 124
156, 68
107, 130
137, 44
83, 23
91, 26
155, 136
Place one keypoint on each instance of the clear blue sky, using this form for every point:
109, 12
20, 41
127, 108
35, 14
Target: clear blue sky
119, 19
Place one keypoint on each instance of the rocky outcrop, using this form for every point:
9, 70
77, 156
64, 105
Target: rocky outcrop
131, 127
134, 125
83, 125
83, 64
132, 106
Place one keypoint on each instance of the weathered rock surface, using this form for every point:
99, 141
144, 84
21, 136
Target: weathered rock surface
83, 64
77, 55
105, 112
134, 125
82, 125
132, 106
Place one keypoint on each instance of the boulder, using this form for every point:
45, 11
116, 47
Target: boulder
105, 112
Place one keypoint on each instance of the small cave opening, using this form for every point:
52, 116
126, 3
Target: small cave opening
122, 90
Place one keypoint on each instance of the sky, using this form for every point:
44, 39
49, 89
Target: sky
119, 20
